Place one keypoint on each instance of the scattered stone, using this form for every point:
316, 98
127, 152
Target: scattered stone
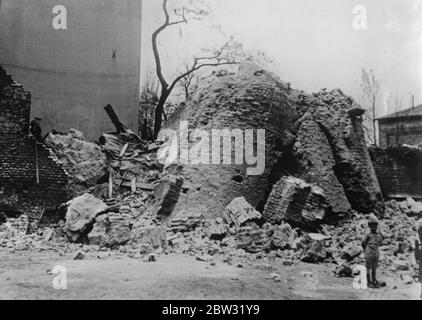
317, 237
276, 277
151, 258
344, 270
228, 260
295, 201
351, 252
80, 255
411, 207
119, 229
315, 253
406, 278
282, 236
47, 235
203, 258
81, 213
21, 224
184, 222
98, 234
84, 160
103, 255
166, 195
298, 243
401, 265
253, 239
155, 236
218, 229
239, 211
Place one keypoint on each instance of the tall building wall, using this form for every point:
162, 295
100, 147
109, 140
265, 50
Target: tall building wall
72, 74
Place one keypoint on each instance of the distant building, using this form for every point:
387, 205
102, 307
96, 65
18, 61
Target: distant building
73, 73
403, 127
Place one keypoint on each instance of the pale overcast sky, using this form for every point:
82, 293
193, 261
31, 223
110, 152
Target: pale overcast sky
312, 42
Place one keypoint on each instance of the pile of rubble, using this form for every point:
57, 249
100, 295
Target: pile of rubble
124, 202
317, 137
84, 161
130, 229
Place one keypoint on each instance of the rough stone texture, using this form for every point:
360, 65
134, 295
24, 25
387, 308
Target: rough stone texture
166, 195
411, 207
119, 230
315, 253
295, 201
99, 232
351, 252
184, 222
239, 211
241, 100
317, 161
81, 212
253, 239
318, 138
84, 160
338, 160
217, 229
282, 236
155, 236
19, 190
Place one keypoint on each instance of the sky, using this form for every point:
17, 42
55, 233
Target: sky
312, 43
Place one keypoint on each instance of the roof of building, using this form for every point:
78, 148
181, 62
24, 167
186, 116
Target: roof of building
411, 112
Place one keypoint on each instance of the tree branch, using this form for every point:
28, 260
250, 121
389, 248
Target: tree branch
196, 68
155, 35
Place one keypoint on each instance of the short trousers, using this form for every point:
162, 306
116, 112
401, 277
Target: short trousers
371, 261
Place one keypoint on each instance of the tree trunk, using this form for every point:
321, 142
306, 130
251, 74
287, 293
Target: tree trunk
159, 111
374, 123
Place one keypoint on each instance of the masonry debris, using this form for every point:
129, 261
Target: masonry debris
295, 201
310, 204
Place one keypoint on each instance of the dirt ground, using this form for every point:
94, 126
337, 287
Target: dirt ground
25, 275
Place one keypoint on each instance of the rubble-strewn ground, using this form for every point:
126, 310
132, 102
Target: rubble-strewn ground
193, 266
132, 228
25, 276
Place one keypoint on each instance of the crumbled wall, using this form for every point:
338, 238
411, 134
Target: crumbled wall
318, 138
333, 153
399, 171
18, 183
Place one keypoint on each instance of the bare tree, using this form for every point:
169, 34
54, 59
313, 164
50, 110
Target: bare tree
218, 57
186, 83
370, 87
148, 102
397, 108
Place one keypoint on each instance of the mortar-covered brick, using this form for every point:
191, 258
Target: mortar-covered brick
20, 156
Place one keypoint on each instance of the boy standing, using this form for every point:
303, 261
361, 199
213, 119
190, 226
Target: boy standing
418, 250
371, 244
